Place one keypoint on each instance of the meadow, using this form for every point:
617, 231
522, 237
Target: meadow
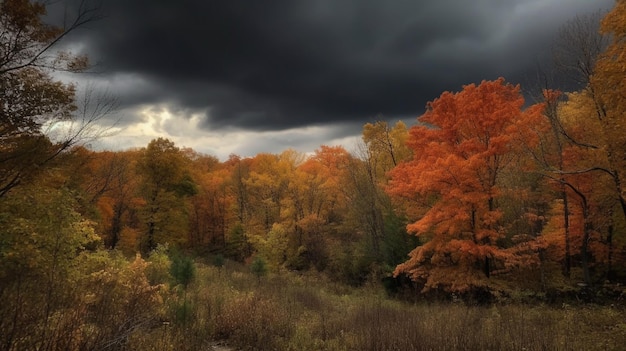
289, 311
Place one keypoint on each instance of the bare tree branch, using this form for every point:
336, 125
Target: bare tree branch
87, 12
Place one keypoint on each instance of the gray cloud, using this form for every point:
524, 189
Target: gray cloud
280, 64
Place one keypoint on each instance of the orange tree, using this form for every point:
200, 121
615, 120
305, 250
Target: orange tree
451, 187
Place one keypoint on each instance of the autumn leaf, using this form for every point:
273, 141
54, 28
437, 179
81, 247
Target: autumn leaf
463, 143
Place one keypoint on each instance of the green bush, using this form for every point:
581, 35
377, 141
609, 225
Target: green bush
158, 272
258, 267
183, 270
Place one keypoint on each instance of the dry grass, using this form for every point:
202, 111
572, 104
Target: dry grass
300, 312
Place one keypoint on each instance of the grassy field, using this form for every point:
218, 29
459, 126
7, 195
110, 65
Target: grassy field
287, 311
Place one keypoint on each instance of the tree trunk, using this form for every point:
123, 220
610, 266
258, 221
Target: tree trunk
567, 265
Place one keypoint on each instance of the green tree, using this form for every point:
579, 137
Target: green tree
258, 267
218, 261
183, 270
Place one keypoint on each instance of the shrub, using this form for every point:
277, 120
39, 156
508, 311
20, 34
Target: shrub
258, 267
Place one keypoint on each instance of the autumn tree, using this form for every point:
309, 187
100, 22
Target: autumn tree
571, 153
318, 202
210, 207
460, 149
110, 184
275, 188
576, 51
586, 156
266, 188
41, 236
32, 101
59, 291
583, 175
333, 162
238, 246
609, 89
550, 158
165, 183
383, 148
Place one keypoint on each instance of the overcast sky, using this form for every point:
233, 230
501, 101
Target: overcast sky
246, 77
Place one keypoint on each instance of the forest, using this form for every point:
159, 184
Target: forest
496, 221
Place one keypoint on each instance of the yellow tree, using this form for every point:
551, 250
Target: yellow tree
317, 202
584, 172
386, 146
41, 238
609, 86
462, 146
267, 184
333, 163
165, 183
271, 219
383, 148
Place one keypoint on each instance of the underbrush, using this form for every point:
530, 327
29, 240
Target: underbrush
116, 304
288, 311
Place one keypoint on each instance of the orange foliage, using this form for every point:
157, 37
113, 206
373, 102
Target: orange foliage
209, 214
465, 141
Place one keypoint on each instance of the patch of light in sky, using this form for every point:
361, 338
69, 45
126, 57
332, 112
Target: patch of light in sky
185, 131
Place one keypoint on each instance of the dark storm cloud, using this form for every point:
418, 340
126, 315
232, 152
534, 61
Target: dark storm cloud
277, 64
